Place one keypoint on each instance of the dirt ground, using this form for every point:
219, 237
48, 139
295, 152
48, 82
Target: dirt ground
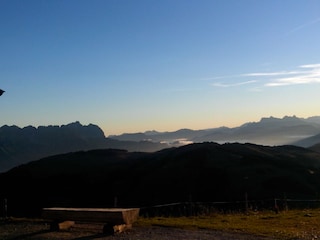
37, 230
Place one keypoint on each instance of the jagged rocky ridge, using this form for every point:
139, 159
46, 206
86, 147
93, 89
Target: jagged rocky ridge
268, 131
21, 145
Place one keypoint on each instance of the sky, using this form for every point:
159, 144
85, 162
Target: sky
137, 65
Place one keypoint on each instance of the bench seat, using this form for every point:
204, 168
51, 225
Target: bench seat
118, 219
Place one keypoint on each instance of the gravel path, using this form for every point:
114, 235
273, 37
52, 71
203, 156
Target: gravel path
40, 231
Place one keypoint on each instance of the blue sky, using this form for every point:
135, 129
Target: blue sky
131, 66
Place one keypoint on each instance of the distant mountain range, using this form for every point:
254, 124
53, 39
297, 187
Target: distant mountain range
22, 145
203, 172
268, 131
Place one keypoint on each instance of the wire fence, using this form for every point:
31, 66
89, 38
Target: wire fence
180, 209
206, 208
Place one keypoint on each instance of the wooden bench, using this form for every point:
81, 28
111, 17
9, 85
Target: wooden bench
114, 219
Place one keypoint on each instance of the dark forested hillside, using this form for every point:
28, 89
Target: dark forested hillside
315, 148
205, 171
308, 142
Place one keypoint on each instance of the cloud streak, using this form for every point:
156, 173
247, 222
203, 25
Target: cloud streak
266, 74
219, 84
311, 75
304, 74
298, 28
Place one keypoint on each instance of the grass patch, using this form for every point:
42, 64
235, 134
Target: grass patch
292, 224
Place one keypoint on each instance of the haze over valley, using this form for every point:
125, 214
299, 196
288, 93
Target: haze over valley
22, 145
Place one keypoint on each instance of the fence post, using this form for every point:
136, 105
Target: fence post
115, 203
285, 202
276, 207
5, 208
190, 205
246, 201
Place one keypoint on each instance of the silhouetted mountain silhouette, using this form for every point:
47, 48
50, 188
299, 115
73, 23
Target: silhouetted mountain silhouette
21, 145
268, 131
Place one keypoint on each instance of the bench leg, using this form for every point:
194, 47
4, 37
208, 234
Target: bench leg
122, 227
57, 226
108, 229
111, 229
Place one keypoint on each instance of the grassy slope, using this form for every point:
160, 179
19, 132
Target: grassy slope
292, 224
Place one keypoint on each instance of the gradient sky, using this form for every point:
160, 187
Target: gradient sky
136, 65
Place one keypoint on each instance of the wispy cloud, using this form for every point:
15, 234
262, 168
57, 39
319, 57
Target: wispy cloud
263, 74
219, 84
310, 75
298, 28
317, 65
304, 74
182, 89
219, 77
